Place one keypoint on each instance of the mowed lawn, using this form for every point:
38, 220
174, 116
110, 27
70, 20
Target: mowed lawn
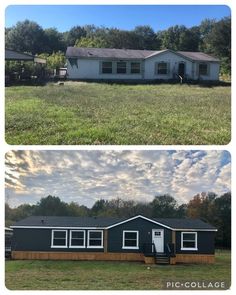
98, 275
94, 113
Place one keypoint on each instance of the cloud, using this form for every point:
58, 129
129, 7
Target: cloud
85, 176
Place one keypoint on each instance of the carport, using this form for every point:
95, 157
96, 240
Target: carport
12, 55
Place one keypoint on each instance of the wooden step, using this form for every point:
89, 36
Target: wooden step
162, 260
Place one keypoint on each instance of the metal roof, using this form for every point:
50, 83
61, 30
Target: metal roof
103, 222
131, 53
20, 56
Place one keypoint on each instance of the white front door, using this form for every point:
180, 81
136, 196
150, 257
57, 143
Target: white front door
158, 239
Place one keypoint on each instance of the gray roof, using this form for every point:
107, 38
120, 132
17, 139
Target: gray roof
200, 56
108, 53
102, 222
20, 56
14, 55
67, 221
131, 53
184, 223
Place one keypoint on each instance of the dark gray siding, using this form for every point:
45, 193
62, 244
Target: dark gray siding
40, 240
206, 243
115, 234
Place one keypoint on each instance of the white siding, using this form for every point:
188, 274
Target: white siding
90, 69
173, 61
86, 69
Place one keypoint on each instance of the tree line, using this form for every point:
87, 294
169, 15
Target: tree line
211, 36
209, 207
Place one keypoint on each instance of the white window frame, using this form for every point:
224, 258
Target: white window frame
182, 240
70, 240
88, 239
52, 238
137, 239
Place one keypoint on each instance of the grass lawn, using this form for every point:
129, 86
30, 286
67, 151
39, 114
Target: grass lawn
93, 113
98, 275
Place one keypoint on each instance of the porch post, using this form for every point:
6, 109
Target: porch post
174, 238
105, 240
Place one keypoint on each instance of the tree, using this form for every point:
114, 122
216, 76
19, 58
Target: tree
53, 41
219, 42
55, 60
147, 39
164, 206
74, 34
51, 206
96, 42
26, 36
223, 220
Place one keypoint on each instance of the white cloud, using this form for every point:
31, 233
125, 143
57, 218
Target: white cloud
85, 176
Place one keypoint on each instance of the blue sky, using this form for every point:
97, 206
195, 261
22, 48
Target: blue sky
86, 176
159, 17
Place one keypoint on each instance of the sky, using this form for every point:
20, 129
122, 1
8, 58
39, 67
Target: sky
159, 17
87, 176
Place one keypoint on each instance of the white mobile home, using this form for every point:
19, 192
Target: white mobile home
128, 64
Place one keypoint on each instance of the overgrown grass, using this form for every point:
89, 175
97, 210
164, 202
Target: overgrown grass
98, 275
91, 113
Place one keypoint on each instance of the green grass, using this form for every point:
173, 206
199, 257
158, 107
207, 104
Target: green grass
92, 113
98, 275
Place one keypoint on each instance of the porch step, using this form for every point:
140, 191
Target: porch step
162, 259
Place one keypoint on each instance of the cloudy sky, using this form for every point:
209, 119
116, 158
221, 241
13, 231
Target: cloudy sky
86, 176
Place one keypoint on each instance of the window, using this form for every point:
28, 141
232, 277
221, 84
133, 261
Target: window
121, 67
157, 233
107, 67
189, 241
77, 239
135, 68
161, 68
130, 239
203, 69
95, 239
59, 239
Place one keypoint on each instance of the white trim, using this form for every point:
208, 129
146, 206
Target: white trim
137, 239
194, 229
196, 242
71, 246
116, 224
52, 238
88, 238
75, 227
135, 217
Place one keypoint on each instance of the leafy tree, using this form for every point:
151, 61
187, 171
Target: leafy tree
74, 34
51, 206
147, 39
164, 206
96, 42
223, 220
53, 41
26, 36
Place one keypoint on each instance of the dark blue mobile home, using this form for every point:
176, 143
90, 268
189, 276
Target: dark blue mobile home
156, 240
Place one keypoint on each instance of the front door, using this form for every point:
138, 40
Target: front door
181, 69
158, 239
